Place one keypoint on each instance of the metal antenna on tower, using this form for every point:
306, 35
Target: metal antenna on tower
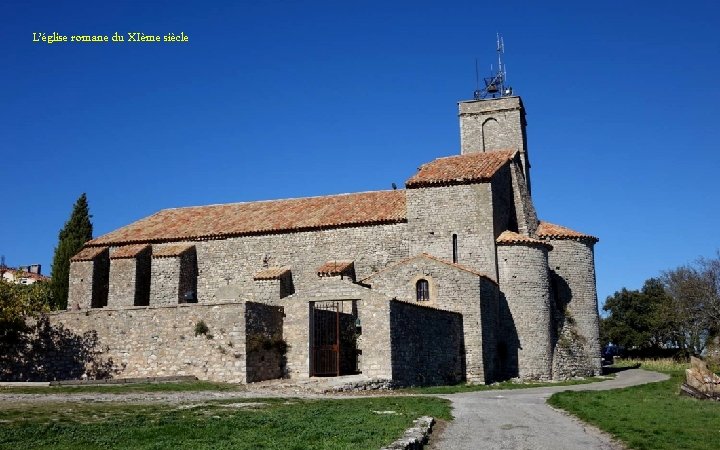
495, 84
478, 93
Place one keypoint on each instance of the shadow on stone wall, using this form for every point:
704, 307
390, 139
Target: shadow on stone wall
560, 296
509, 343
570, 358
41, 351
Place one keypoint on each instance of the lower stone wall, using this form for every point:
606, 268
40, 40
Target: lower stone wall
427, 345
265, 347
373, 342
570, 358
204, 340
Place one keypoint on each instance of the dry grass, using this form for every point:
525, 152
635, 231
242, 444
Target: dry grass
657, 364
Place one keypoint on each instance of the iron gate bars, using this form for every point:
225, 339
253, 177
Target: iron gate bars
326, 338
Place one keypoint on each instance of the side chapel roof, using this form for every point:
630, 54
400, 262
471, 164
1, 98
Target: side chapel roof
333, 268
510, 237
271, 273
463, 169
547, 230
88, 253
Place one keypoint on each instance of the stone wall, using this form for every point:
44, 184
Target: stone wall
166, 340
266, 348
129, 283
173, 277
577, 341
229, 265
505, 216
451, 289
492, 124
525, 304
436, 213
372, 310
88, 282
526, 216
427, 345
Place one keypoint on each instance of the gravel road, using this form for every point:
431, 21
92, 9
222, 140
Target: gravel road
521, 419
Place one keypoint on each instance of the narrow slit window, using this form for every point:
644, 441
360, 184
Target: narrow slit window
422, 288
454, 248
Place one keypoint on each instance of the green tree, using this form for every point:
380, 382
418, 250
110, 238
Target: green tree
77, 231
639, 320
17, 302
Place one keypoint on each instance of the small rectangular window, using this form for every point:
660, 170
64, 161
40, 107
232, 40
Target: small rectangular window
454, 248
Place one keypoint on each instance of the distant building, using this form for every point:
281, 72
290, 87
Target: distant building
23, 274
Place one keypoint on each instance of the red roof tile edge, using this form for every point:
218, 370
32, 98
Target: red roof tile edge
172, 251
128, 251
495, 161
548, 230
511, 238
332, 268
396, 214
217, 236
88, 253
271, 273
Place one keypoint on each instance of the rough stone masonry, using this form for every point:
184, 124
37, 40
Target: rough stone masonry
491, 291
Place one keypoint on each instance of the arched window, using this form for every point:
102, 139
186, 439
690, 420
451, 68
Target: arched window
422, 289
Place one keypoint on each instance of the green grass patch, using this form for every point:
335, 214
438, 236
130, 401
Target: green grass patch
454, 389
367, 423
651, 416
183, 386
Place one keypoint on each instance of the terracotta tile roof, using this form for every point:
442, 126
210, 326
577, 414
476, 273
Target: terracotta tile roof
128, 251
551, 231
463, 169
88, 253
171, 251
510, 237
271, 273
277, 216
433, 258
333, 268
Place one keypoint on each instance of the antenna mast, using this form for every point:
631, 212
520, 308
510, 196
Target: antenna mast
495, 84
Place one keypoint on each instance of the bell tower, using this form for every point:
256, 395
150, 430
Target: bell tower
495, 118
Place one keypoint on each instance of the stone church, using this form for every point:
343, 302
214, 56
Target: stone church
452, 279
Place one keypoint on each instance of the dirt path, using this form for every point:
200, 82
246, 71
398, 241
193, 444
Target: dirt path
521, 419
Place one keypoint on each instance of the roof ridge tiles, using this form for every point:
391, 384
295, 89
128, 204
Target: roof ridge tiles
272, 200
263, 217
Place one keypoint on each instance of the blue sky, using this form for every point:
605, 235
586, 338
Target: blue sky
289, 99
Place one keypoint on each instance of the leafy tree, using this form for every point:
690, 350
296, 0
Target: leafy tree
638, 320
17, 302
695, 293
77, 231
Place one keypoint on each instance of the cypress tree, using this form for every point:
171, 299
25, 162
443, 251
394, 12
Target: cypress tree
76, 232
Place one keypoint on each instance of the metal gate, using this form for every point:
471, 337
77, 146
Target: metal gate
326, 338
